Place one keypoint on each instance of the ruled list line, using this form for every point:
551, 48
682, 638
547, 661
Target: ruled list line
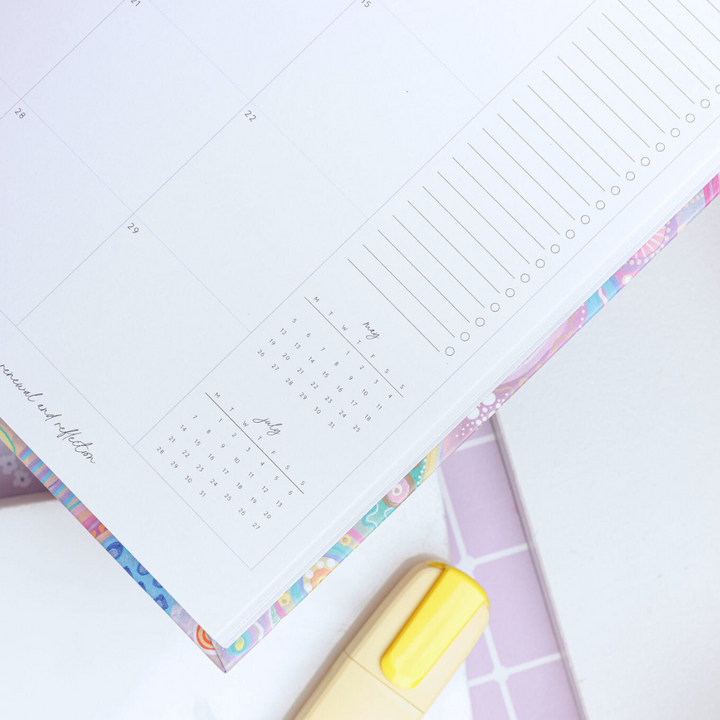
571, 128
642, 110
500, 205
698, 19
649, 59
559, 145
393, 304
474, 238
529, 174
555, 170
514, 189
425, 277
716, 9
411, 293
683, 34
627, 67
432, 255
697, 77
590, 117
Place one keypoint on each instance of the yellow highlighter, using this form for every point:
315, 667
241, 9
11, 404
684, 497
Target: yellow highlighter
407, 651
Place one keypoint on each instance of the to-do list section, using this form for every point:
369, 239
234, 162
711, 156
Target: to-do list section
425, 284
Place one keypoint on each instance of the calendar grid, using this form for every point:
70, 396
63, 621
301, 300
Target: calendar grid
381, 375
252, 441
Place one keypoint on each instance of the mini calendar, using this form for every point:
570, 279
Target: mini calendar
227, 468
244, 455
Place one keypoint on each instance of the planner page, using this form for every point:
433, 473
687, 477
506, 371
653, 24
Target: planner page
276, 251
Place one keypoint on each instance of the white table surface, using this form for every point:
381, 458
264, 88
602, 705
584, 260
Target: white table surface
78, 639
615, 448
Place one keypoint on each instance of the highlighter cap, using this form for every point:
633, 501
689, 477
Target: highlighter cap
422, 632
451, 603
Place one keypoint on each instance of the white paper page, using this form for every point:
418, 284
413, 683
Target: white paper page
263, 290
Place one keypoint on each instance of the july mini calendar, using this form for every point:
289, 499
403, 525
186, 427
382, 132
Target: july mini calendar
276, 263
238, 470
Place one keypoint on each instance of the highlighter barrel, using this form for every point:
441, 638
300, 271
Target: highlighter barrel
407, 651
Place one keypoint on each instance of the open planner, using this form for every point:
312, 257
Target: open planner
266, 255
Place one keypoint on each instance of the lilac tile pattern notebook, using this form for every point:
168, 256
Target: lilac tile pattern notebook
516, 671
15, 477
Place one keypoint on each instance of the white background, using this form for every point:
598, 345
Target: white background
81, 640
615, 445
